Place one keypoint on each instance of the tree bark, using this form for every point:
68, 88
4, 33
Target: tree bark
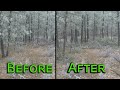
82, 29
85, 36
76, 36
46, 31
103, 26
56, 30
87, 28
64, 32
118, 29
107, 31
94, 29
9, 33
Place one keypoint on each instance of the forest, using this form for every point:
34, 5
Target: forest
88, 37
27, 37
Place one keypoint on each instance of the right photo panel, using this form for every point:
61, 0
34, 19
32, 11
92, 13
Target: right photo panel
87, 44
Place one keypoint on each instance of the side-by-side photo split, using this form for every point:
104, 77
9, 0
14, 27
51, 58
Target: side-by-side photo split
59, 44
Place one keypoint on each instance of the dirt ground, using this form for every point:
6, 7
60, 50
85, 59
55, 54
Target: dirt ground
28, 55
43, 55
90, 56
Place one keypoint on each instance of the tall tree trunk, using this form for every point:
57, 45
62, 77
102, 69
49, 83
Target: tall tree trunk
1, 38
82, 29
94, 29
107, 31
87, 28
38, 32
2, 47
111, 28
25, 36
46, 31
64, 33
29, 28
32, 31
9, 33
71, 40
118, 29
76, 36
56, 30
103, 26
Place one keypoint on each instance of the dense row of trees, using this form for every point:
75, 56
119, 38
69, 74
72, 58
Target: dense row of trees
25, 27
73, 27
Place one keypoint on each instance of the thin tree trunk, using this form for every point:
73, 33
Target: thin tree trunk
9, 33
71, 40
87, 28
56, 30
118, 29
64, 33
1, 38
46, 30
111, 29
94, 30
2, 47
107, 31
32, 31
29, 28
76, 36
82, 29
103, 26
38, 28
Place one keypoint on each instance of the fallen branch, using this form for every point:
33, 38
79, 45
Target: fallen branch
116, 73
21, 76
117, 59
77, 77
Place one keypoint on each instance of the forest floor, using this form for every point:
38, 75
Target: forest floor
29, 55
91, 56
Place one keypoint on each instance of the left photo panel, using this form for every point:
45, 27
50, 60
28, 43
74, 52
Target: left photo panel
27, 45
